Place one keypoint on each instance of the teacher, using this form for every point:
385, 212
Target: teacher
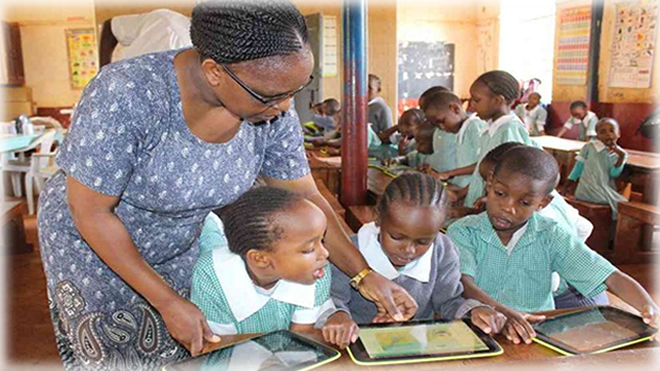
156, 143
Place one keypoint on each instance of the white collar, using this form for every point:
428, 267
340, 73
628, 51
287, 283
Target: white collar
242, 296
492, 126
419, 269
598, 145
463, 129
586, 118
515, 238
531, 111
375, 100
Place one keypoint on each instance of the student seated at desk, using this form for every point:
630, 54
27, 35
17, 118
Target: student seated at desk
421, 157
583, 118
490, 96
326, 115
444, 110
598, 164
533, 114
271, 272
404, 245
402, 134
508, 253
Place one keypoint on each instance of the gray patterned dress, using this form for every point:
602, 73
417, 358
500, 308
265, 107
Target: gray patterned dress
129, 139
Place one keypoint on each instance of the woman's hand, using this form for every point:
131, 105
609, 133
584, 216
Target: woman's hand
488, 320
187, 325
340, 330
390, 299
517, 328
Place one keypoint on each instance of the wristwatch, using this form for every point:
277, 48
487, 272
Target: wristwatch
357, 279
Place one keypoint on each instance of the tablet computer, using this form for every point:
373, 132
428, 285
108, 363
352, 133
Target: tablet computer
274, 351
593, 330
420, 341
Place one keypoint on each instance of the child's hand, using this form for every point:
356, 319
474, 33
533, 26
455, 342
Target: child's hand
443, 176
340, 330
517, 327
487, 319
389, 161
651, 315
480, 203
403, 144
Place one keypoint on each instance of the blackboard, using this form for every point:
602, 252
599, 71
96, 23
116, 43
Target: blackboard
422, 65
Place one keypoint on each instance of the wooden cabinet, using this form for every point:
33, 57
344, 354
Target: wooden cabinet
12, 55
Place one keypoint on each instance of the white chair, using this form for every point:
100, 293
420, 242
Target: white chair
42, 167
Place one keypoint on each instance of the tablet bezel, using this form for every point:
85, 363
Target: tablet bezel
360, 356
567, 350
330, 352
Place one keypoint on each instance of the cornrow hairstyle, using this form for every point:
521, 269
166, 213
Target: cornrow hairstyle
441, 100
578, 103
501, 83
610, 121
531, 162
374, 82
495, 155
245, 30
427, 93
411, 189
332, 106
413, 115
250, 222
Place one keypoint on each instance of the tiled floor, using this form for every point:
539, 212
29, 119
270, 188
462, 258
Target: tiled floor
30, 334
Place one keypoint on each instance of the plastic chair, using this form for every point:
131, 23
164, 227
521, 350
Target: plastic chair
42, 167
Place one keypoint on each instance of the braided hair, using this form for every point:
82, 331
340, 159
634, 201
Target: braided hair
245, 30
251, 221
531, 162
411, 189
501, 83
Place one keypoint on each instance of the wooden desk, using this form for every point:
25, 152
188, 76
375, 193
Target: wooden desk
326, 169
563, 150
531, 356
377, 181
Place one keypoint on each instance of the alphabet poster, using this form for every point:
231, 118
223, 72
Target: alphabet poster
633, 44
83, 65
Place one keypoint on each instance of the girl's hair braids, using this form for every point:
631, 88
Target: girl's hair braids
501, 83
245, 30
251, 221
412, 189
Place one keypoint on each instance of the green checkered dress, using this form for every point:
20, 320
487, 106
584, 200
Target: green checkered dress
521, 279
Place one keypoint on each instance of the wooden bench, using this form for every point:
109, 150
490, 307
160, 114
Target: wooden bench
601, 217
628, 246
359, 215
331, 198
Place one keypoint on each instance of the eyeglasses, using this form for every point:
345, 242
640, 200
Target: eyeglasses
265, 100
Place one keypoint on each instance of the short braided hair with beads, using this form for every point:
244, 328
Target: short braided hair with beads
411, 189
501, 83
244, 30
250, 222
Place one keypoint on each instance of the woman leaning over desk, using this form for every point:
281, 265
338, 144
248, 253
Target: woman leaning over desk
156, 143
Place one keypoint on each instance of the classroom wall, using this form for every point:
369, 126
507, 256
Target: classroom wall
382, 48
44, 47
628, 106
449, 21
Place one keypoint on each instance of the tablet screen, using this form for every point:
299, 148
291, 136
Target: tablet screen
592, 330
424, 339
275, 351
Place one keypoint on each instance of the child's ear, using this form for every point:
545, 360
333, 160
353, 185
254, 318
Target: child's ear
258, 258
545, 202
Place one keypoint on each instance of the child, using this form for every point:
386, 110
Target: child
445, 111
490, 96
533, 114
509, 252
421, 156
327, 115
379, 115
585, 119
403, 133
272, 271
598, 164
405, 246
